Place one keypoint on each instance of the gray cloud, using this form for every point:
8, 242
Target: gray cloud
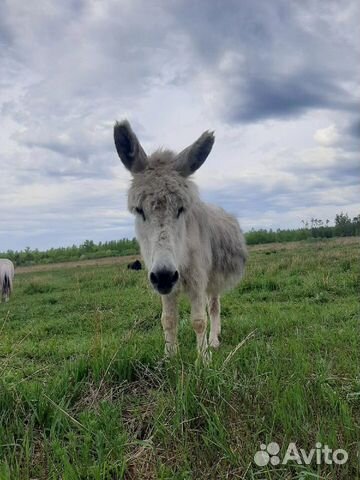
276, 59
353, 130
286, 96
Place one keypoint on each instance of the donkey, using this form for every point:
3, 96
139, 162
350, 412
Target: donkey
186, 244
6, 278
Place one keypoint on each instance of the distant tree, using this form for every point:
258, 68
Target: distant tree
343, 225
88, 246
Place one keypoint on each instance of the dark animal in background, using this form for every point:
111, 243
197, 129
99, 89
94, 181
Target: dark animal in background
135, 265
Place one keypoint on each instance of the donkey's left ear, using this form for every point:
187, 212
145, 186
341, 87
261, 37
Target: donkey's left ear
190, 159
129, 148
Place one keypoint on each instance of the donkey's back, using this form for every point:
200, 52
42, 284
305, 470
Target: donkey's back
228, 248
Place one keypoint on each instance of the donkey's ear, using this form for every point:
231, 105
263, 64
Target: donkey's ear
128, 147
190, 159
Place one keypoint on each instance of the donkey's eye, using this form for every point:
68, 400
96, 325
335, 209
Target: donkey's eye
180, 211
140, 211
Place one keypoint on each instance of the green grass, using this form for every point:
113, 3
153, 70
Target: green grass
86, 394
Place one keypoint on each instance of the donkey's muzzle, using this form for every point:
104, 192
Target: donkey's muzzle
164, 280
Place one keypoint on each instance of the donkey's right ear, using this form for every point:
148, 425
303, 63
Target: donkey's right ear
190, 159
128, 147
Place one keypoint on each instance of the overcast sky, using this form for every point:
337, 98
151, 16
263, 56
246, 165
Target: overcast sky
278, 81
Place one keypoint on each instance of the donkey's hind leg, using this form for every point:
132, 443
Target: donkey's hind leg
215, 322
199, 322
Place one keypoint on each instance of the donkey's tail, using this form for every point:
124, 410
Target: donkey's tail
6, 285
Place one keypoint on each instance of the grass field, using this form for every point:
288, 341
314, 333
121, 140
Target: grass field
86, 394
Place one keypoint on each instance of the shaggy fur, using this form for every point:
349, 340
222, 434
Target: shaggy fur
198, 246
6, 278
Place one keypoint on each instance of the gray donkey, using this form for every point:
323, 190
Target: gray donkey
186, 244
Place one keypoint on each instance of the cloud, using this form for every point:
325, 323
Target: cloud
353, 130
326, 136
274, 60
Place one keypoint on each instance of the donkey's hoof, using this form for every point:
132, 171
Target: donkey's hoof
204, 358
171, 350
214, 342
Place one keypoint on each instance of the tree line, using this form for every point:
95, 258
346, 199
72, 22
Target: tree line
343, 226
86, 250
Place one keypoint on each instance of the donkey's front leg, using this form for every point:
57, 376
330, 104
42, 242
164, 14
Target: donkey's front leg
169, 320
199, 322
215, 322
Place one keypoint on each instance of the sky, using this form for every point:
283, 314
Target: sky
278, 82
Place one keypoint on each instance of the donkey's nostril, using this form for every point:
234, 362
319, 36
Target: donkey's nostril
164, 280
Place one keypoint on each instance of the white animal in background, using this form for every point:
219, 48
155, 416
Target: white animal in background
6, 278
